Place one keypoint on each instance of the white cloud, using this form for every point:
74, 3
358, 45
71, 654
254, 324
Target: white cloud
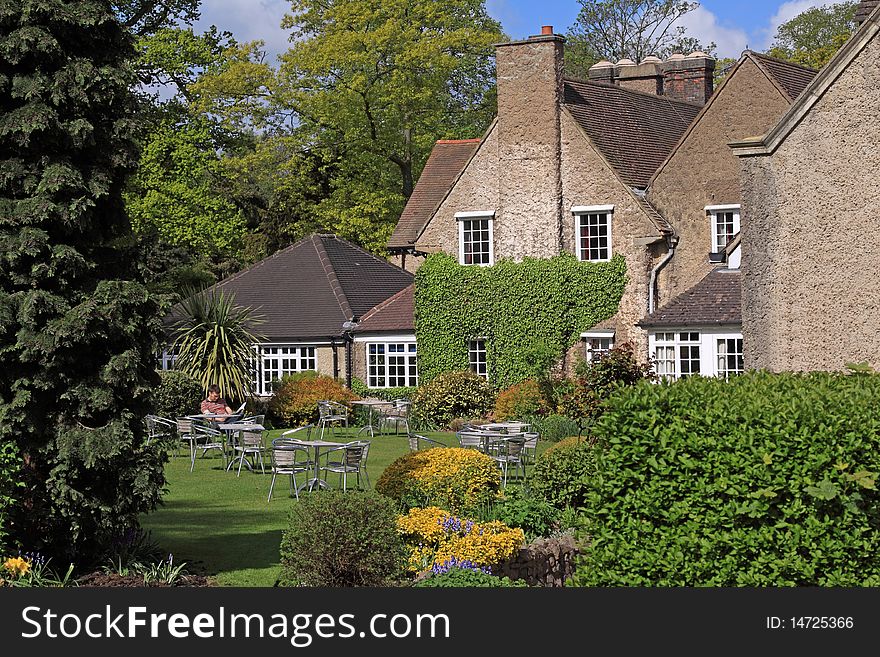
787, 11
249, 20
703, 25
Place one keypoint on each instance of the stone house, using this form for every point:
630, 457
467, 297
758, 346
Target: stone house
312, 297
635, 160
810, 298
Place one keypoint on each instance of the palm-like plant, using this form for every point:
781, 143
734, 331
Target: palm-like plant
214, 341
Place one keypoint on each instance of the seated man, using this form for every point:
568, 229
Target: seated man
214, 404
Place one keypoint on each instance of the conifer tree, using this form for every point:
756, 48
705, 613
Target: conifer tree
77, 330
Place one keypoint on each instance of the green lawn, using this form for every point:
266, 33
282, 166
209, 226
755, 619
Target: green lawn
222, 525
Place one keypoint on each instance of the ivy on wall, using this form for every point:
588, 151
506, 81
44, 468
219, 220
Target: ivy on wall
529, 313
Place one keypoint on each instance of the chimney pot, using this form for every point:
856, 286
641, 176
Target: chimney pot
546, 30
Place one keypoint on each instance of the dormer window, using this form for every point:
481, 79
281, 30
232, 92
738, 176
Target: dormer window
724, 223
475, 238
593, 232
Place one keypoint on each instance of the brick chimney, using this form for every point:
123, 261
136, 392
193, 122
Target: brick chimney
689, 78
645, 76
864, 10
529, 76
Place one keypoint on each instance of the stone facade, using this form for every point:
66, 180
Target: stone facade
703, 171
546, 562
811, 297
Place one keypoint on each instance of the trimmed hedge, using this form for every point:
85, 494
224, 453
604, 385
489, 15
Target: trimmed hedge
450, 396
178, 394
564, 473
766, 480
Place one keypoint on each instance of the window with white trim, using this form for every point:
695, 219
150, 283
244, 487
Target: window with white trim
391, 364
677, 355
475, 238
167, 359
730, 357
593, 232
477, 358
275, 362
598, 345
724, 221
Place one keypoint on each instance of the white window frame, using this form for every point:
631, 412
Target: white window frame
262, 386
167, 359
480, 215
580, 212
377, 371
713, 211
592, 337
474, 365
708, 343
722, 370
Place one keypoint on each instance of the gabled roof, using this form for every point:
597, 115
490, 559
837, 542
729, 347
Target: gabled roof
714, 301
394, 314
791, 78
814, 91
309, 289
446, 162
635, 131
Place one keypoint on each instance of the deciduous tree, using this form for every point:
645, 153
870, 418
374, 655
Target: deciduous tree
813, 37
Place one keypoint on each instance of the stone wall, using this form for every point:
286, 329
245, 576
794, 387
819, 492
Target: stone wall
545, 562
704, 171
811, 293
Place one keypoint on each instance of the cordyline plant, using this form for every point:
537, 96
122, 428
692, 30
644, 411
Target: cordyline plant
214, 342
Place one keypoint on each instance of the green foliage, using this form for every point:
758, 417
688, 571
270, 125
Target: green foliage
467, 578
564, 473
33, 571
10, 464
361, 389
618, 29
814, 36
295, 402
597, 380
523, 508
214, 340
556, 427
178, 394
452, 395
78, 332
520, 309
765, 480
459, 480
520, 401
342, 539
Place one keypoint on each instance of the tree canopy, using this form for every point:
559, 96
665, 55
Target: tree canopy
628, 29
813, 37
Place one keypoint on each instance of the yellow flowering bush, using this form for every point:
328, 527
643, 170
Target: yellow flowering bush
436, 537
16, 566
453, 478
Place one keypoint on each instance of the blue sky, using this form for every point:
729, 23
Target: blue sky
733, 26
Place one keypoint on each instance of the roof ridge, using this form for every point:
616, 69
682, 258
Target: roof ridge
458, 141
763, 55
636, 92
379, 307
330, 273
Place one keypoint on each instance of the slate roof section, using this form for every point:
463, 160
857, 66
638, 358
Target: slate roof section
447, 160
308, 290
395, 314
864, 10
791, 78
714, 301
635, 131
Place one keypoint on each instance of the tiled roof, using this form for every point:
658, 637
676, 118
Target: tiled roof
394, 314
309, 289
865, 8
792, 78
715, 300
635, 131
446, 162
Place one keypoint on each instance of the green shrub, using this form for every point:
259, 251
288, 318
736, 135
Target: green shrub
10, 464
765, 480
555, 427
360, 388
296, 398
178, 394
523, 508
342, 539
455, 479
562, 475
520, 401
466, 578
452, 395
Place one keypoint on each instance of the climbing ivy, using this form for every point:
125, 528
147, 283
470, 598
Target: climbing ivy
528, 312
